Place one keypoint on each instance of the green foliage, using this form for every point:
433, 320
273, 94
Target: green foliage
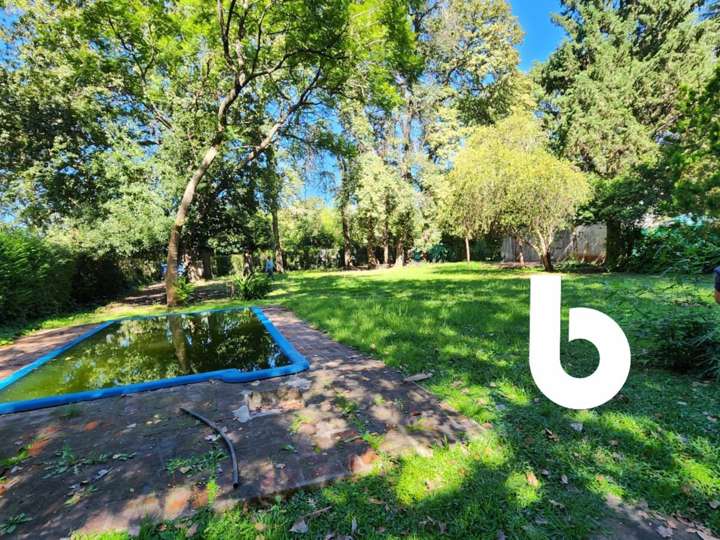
97, 279
310, 234
681, 247
684, 339
695, 157
35, 276
613, 91
184, 289
505, 179
10, 524
438, 253
252, 287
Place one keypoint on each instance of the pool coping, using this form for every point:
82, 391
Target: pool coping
298, 363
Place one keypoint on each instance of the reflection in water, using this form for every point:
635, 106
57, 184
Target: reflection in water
151, 349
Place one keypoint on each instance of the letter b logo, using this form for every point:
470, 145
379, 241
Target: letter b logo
588, 324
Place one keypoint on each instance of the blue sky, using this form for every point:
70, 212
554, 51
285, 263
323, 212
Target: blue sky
541, 35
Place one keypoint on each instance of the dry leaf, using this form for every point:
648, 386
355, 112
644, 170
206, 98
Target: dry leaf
260, 527
532, 479
564, 479
551, 435
299, 527
418, 377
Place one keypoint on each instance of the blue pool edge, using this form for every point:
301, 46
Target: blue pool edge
298, 363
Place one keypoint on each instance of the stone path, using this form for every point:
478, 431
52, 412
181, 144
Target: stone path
105, 465
28, 349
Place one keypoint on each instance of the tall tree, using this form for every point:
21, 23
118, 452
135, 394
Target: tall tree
505, 178
694, 157
612, 96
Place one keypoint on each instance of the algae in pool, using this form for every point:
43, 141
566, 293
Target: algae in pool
134, 351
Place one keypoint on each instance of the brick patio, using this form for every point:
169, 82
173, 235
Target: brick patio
303, 431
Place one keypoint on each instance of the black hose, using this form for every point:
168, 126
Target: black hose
228, 442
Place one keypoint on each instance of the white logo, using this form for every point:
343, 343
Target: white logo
588, 324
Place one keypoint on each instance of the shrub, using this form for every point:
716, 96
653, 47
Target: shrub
686, 339
184, 289
252, 287
35, 276
438, 253
97, 279
682, 246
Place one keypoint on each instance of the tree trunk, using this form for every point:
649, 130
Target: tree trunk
521, 247
613, 244
399, 254
206, 256
180, 218
347, 255
179, 343
372, 260
279, 256
386, 243
467, 249
547, 262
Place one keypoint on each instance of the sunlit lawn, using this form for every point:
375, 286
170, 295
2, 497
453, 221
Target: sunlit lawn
532, 475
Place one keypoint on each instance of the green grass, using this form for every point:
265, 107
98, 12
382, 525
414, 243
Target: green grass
469, 326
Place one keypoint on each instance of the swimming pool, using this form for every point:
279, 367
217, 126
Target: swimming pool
137, 354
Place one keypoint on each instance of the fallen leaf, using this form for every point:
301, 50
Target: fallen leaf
665, 532
101, 473
418, 377
532, 479
299, 527
564, 479
242, 414
714, 504
558, 505
577, 426
545, 472
212, 438
260, 527
551, 435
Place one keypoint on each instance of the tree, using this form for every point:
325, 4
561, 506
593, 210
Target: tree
505, 178
612, 93
544, 194
184, 68
694, 158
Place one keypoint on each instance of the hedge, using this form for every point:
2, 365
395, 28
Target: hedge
38, 278
35, 277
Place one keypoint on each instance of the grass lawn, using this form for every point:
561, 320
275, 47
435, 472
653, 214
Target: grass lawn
532, 475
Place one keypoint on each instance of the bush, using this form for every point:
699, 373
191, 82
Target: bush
35, 276
97, 279
686, 339
682, 246
438, 253
183, 289
252, 287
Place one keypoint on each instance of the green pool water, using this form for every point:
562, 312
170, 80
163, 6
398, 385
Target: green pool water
134, 351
